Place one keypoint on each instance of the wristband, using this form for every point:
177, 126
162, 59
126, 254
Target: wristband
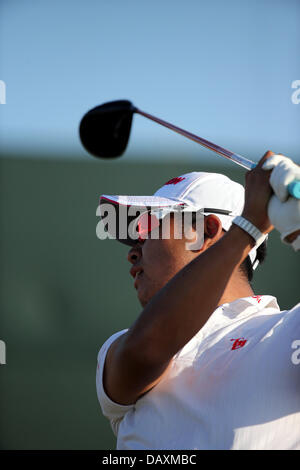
244, 224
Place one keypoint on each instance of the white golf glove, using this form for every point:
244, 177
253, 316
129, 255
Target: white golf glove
285, 216
284, 172
283, 211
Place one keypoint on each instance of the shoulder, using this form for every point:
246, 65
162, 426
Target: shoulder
293, 314
113, 411
296, 308
105, 347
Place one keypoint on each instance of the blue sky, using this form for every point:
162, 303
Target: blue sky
221, 69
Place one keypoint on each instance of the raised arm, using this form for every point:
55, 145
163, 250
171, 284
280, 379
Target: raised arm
139, 359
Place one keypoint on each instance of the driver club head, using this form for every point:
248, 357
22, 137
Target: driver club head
104, 130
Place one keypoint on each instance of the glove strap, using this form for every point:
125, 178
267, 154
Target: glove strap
244, 224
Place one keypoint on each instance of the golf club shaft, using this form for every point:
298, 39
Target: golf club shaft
242, 161
293, 187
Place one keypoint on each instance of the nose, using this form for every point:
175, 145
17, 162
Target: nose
134, 254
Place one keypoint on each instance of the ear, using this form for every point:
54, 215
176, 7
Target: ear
212, 230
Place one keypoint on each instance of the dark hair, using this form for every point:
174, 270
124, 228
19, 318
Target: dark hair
246, 267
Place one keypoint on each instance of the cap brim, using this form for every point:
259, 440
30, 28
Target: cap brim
134, 205
140, 201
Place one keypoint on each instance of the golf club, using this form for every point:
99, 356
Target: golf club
104, 132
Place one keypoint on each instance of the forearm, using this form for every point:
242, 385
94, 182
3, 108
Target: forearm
180, 309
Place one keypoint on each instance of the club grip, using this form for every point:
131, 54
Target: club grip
294, 189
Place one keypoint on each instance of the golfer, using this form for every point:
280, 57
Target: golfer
208, 364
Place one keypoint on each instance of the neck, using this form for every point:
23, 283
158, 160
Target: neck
236, 288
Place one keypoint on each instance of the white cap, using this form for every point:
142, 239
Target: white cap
214, 192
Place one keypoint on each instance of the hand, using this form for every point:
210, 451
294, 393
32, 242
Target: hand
257, 195
284, 171
284, 211
285, 217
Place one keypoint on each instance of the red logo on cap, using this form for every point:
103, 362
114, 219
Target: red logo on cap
175, 180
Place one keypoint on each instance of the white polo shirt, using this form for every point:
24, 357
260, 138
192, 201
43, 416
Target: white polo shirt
234, 385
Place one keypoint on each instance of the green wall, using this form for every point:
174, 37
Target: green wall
63, 292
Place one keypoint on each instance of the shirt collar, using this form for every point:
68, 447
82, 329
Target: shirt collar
237, 310
247, 305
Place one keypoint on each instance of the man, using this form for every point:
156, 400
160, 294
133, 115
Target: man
207, 364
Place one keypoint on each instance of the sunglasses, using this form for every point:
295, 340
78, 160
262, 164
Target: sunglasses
147, 222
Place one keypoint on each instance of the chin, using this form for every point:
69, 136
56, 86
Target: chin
145, 297
143, 300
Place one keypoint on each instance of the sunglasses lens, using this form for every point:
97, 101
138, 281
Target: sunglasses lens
146, 223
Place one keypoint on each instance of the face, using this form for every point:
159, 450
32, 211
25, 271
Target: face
155, 262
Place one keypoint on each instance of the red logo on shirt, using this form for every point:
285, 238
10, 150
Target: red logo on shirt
175, 180
238, 343
257, 297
